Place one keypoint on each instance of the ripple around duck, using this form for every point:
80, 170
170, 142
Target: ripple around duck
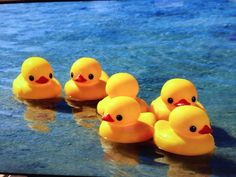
153, 40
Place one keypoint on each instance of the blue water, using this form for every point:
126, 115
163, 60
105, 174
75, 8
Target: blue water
154, 40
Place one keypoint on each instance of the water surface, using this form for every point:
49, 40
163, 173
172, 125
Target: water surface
154, 40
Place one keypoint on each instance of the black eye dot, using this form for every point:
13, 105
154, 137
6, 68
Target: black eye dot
193, 128
119, 117
31, 78
193, 99
90, 76
170, 100
50, 75
71, 74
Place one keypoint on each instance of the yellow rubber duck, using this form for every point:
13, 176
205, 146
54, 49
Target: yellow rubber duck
124, 123
175, 92
188, 132
121, 84
36, 80
87, 82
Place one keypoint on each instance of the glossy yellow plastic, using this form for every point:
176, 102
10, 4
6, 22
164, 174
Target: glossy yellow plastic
188, 132
124, 123
181, 91
87, 82
121, 84
36, 80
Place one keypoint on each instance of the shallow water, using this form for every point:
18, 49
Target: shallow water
155, 40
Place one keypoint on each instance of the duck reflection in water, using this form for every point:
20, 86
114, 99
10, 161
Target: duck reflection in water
120, 154
39, 119
40, 113
184, 166
131, 154
84, 113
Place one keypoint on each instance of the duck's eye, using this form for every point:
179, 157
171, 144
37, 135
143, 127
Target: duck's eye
193, 128
193, 99
50, 75
31, 78
90, 76
170, 100
119, 117
71, 74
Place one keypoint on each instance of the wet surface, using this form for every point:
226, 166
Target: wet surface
154, 41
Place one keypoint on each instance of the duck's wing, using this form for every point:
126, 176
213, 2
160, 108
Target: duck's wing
147, 118
18, 84
104, 76
143, 105
159, 109
102, 104
198, 104
164, 135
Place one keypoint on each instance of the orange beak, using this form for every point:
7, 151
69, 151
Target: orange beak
205, 130
80, 78
181, 102
108, 118
42, 80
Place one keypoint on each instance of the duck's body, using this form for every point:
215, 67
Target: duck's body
167, 139
83, 93
187, 132
140, 131
88, 81
42, 84
175, 92
22, 89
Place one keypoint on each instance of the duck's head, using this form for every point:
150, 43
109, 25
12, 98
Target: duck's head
122, 84
190, 121
178, 92
37, 71
86, 71
122, 111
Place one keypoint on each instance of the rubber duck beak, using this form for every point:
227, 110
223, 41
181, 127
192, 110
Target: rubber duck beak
108, 118
42, 80
80, 78
181, 102
205, 130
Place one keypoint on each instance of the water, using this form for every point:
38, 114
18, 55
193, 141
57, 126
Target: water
154, 41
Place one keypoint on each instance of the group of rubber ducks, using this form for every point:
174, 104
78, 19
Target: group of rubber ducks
176, 120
